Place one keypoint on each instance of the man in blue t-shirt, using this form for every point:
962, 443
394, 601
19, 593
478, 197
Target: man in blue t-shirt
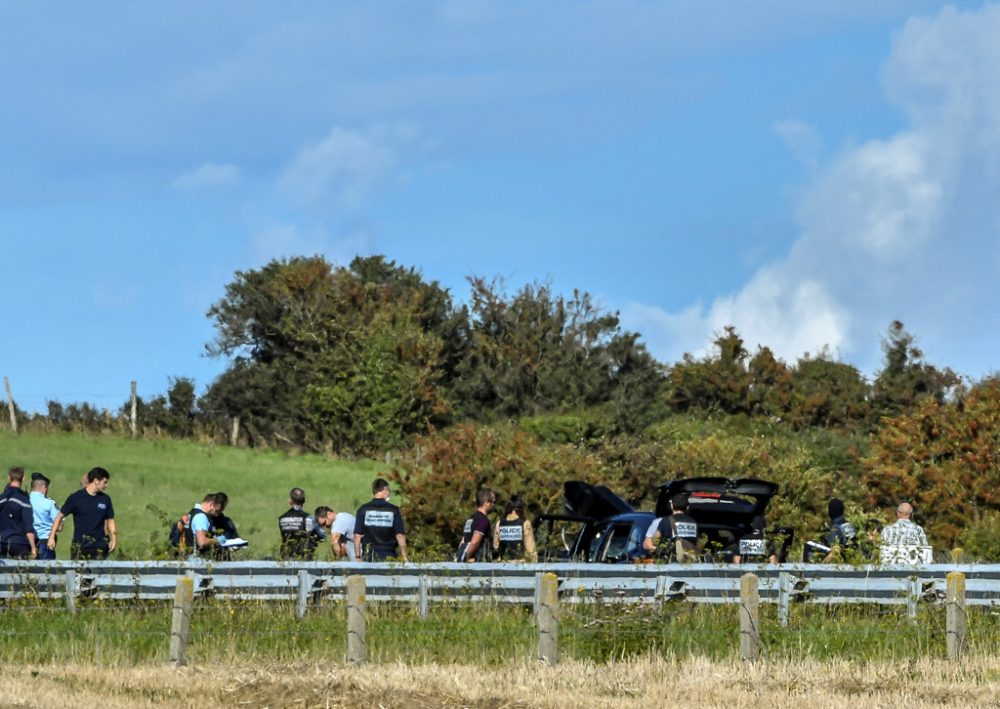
44, 510
95, 534
203, 536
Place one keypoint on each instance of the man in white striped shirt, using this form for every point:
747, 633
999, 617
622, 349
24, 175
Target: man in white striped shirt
903, 532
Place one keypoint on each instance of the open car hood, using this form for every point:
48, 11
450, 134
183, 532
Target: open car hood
594, 501
741, 499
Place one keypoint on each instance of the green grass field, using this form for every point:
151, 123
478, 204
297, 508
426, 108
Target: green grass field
127, 633
153, 482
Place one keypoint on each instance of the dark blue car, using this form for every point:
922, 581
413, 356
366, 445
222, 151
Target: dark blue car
600, 526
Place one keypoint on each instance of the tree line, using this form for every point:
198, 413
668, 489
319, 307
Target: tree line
529, 387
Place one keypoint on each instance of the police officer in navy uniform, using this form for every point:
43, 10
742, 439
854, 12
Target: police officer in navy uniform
842, 533
675, 536
753, 548
378, 527
477, 541
513, 537
17, 520
299, 538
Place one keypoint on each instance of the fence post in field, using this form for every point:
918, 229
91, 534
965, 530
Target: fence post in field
10, 405
357, 648
955, 621
70, 593
132, 420
659, 592
180, 628
784, 596
546, 615
234, 435
749, 618
913, 598
305, 584
422, 596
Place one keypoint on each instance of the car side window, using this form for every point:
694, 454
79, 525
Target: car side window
618, 537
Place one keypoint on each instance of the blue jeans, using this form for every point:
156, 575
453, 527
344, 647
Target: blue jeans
44, 553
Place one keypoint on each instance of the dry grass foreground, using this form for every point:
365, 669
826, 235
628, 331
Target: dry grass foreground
692, 682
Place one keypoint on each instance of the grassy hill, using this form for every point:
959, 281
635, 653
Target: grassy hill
153, 482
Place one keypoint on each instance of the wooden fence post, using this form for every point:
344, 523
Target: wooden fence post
749, 617
784, 596
423, 600
70, 593
659, 592
134, 422
955, 620
305, 584
234, 435
10, 405
180, 628
547, 615
913, 598
357, 648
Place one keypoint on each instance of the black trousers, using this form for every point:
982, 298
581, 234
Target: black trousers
78, 552
13, 550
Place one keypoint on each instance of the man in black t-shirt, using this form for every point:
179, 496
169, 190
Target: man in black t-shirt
477, 543
95, 534
378, 527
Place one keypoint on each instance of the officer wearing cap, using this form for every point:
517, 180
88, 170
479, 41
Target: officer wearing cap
44, 510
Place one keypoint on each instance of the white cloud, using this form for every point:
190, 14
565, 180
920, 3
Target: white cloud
347, 167
208, 175
898, 228
802, 140
288, 240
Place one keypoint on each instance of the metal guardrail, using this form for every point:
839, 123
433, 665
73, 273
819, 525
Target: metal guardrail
500, 583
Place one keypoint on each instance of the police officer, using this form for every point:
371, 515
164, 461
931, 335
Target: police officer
679, 531
477, 542
753, 547
513, 538
299, 538
842, 534
17, 530
44, 510
378, 527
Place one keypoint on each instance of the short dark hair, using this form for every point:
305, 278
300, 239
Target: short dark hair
322, 511
98, 474
835, 508
379, 484
222, 498
211, 497
679, 501
16, 473
485, 495
515, 504
297, 495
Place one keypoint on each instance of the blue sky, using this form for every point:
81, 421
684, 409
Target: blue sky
806, 174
